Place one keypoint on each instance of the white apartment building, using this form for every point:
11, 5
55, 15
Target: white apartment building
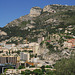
24, 56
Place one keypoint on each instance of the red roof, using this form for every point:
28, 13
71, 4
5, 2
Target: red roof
30, 63
71, 40
48, 41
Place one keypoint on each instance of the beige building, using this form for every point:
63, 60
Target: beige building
24, 56
70, 43
36, 49
8, 59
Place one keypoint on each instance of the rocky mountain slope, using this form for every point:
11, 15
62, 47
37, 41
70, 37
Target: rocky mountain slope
54, 22
40, 21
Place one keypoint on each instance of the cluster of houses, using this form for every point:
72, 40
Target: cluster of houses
29, 54
70, 43
5, 48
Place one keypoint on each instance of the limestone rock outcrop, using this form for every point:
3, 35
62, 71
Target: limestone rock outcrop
35, 11
2, 33
48, 9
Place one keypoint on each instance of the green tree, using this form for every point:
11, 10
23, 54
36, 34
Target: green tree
49, 72
65, 67
21, 67
22, 72
9, 51
47, 66
43, 69
27, 72
38, 72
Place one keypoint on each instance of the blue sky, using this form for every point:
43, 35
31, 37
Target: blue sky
13, 9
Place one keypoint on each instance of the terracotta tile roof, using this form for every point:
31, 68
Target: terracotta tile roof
30, 63
71, 40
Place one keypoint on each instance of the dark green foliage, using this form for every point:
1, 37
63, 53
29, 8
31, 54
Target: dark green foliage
10, 67
27, 72
9, 51
47, 66
49, 72
68, 37
21, 67
43, 69
65, 67
18, 52
31, 55
50, 47
23, 23
16, 31
41, 43
38, 72
30, 51
69, 17
32, 39
22, 72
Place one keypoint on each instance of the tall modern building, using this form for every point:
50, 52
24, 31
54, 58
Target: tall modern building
24, 56
8, 60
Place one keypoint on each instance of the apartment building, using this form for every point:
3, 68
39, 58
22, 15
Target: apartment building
24, 56
8, 59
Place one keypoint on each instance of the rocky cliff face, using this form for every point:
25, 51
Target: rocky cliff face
48, 9
35, 11
2, 33
41, 21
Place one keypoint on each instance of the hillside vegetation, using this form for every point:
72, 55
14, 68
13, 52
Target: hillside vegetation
34, 27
